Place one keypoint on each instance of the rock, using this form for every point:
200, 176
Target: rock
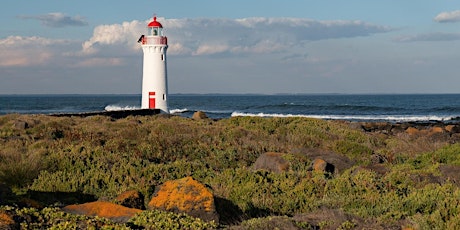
338, 161
382, 127
452, 128
199, 115
105, 209
29, 203
6, 195
7, 222
320, 165
378, 159
325, 218
131, 199
185, 195
271, 161
412, 131
451, 173
335, 217
377, 168
436, 129
21, 125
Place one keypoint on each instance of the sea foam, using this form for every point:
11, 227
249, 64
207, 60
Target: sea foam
396, 118
120, 107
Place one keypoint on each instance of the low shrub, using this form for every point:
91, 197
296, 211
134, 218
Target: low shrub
19, 169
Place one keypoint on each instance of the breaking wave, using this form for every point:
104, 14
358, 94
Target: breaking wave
395, 118
174, 111
120, 107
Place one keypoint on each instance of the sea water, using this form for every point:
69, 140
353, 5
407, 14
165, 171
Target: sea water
393, 108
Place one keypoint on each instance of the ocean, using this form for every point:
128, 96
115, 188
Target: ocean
391, 108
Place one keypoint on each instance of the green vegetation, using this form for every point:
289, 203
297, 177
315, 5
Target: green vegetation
54, 218
101, 156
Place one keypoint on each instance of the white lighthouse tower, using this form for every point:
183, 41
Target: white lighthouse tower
155, 77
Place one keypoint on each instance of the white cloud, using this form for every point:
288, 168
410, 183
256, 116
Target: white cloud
28, 51
58, 20
453, 16
126, 33
210, 49
429, 37
205, 36
187, 37
98, 62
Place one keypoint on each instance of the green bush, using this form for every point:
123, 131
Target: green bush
156, 219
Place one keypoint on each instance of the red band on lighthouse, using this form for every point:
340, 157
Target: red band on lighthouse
151, 100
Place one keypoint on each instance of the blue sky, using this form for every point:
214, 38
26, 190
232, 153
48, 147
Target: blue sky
292, 46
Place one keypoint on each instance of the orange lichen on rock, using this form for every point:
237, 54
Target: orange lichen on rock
412, 131
5, 220
185, 195
102, 209
319, 165
436, 129
128, 194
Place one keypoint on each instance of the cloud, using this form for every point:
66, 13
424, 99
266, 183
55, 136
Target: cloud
453, 16
114, 44
58, 20
17, 51
126, 33
204, 36
429, 37
98, 62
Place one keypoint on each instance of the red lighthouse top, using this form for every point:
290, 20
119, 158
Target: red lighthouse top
154, 23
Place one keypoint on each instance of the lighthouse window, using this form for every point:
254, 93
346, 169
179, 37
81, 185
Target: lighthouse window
162, 57
164, 97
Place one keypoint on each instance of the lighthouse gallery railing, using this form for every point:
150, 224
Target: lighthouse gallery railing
157, 40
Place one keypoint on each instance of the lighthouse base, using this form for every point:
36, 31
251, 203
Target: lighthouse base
113, 114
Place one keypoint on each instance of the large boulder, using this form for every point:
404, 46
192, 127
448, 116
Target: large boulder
105, 209
131, 199
271, 161
185, 195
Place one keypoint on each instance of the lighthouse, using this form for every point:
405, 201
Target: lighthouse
155, 75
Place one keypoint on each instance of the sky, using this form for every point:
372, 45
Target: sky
234, 47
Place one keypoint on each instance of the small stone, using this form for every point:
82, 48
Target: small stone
320, 165
199, 115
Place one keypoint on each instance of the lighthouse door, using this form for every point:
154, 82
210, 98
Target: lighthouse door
151, 100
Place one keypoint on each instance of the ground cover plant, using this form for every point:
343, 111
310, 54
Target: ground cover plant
411, 184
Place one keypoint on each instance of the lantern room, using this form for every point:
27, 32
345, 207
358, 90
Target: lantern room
155, 28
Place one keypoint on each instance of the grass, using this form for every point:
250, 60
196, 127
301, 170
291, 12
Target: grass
101, 156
